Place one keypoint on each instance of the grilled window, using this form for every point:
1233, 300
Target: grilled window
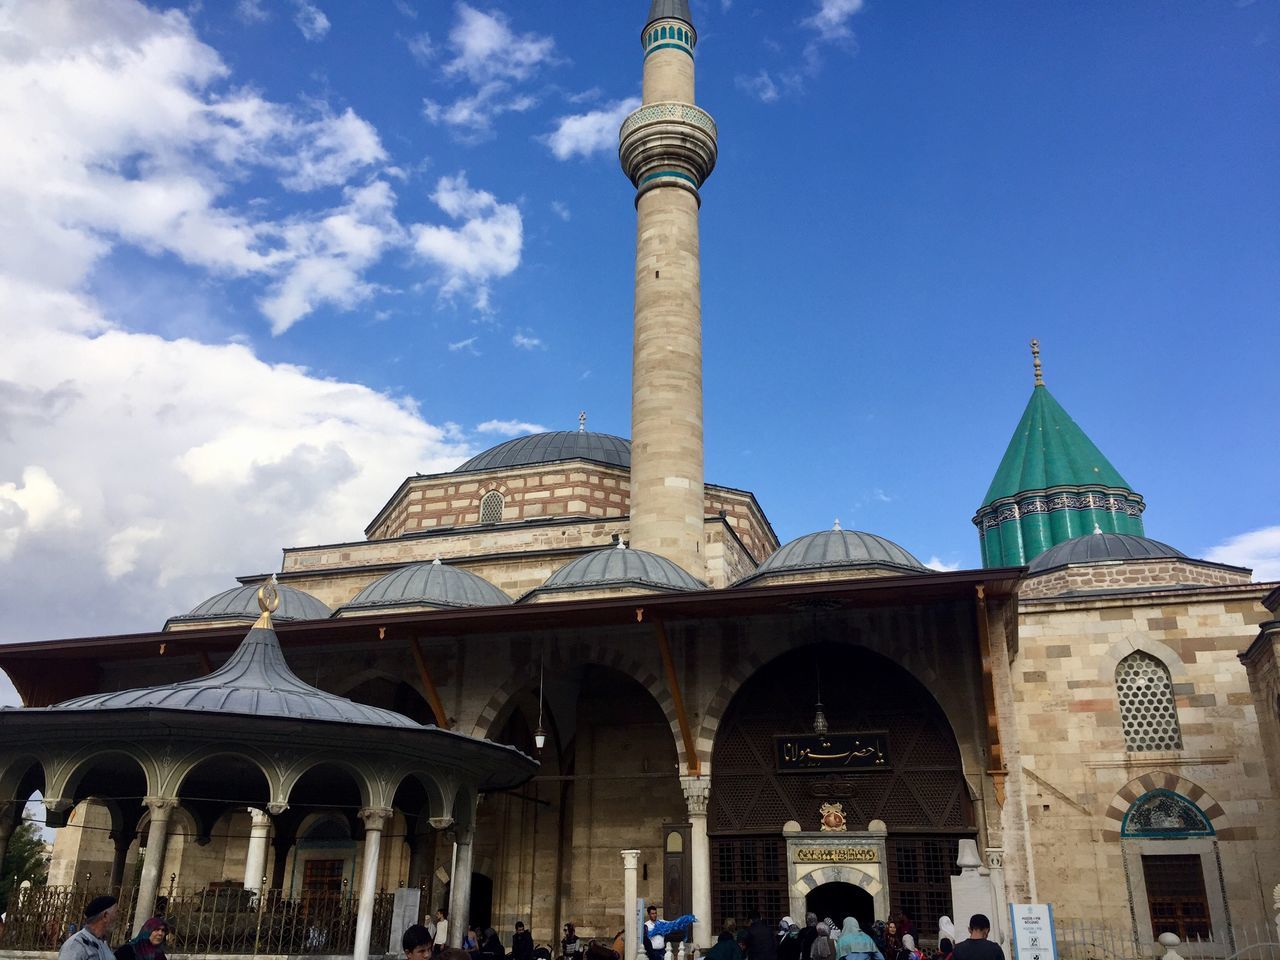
1176, 896
491, 507
1148, 713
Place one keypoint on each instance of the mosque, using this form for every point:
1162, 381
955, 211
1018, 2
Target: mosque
1091, 720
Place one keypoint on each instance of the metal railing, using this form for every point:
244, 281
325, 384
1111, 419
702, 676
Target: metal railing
215, 919
1080, 940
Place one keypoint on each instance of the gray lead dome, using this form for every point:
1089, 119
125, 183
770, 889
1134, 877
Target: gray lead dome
432, 584
549, 447
241, 603
613, 567
831, 549
1095, 547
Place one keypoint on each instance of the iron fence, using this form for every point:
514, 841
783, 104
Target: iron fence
216, 919
1080, 940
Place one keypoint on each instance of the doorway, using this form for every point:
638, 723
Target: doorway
839, 900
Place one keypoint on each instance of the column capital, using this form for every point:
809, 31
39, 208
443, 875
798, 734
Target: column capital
995, 858
440, 823
375, 818
58, 804
160, 806
275, 809
259, 817
630, 859
697, 794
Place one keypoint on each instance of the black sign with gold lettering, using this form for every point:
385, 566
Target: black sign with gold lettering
832, 751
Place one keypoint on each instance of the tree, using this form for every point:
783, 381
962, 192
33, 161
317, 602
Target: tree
25, 859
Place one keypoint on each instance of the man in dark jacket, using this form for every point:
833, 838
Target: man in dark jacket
761, 942
808, 935
521, 943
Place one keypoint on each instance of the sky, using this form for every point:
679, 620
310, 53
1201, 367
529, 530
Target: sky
262, 259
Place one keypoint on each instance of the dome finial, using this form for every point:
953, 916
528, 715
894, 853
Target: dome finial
836, 525
268, 601
582, 421
1096, 528
1035, 359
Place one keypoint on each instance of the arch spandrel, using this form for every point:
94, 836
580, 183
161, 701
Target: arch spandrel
370, 787
487, 722
442, 792
65, 780
184, 764
17, 770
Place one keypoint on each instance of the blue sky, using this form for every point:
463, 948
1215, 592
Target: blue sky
260, 259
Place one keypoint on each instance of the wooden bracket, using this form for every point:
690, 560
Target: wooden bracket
995, 751
429, 686
694, 765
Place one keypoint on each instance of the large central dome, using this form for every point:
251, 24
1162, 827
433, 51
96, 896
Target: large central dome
536, 448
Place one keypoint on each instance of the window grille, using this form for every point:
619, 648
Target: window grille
491, 507
1176, 896
1148, 713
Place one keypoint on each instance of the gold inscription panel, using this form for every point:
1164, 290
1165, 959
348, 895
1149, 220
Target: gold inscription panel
837, 855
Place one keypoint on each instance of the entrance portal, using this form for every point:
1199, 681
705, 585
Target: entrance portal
839, 900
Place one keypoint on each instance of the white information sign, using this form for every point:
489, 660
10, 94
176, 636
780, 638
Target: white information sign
1031, 929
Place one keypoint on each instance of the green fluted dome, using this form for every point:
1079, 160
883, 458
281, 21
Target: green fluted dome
1050, 450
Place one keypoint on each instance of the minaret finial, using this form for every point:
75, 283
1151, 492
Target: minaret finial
1035, 359
836, 525
582, 421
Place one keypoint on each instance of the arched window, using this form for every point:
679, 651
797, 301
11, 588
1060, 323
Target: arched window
664, 33
1148, 713
491, 507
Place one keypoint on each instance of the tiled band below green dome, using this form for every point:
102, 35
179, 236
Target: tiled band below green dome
1015, 530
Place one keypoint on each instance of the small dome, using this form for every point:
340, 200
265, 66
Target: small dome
550, 447
241, 603
833, 549
432, 584
1096, 547
619, 567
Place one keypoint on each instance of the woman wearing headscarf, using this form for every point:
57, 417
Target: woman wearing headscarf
909, 950
788, 939
148, 944
824, 948
726, 947
856, 945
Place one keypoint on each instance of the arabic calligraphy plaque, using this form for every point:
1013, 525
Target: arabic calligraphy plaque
832, 751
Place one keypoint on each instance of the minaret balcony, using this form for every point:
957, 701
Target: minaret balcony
668, 143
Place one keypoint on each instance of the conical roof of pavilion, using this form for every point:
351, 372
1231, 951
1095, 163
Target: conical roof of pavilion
1049, 449
255, 682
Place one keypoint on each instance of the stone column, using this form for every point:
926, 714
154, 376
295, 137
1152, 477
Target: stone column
122, 842
995, 866
153, 863
460, 885
697, 794
375, 818
8, 821
631, 938
255, 863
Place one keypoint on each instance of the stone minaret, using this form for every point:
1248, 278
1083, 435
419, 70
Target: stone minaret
668, 148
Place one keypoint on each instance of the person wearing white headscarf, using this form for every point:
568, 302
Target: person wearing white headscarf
854, 944
788, 939
909, 950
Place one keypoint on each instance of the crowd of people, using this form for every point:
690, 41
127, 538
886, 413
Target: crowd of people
824, 940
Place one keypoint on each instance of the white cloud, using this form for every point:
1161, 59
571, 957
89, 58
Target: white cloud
586, 133
486, 48
251, 11
486, 245
509, 428
832, 17
468, 344
421, 47
31, 506
311, 20
527, 341
165, 467
561, 211
121, 130
937, 563
760, 86
1259, 550
496, 60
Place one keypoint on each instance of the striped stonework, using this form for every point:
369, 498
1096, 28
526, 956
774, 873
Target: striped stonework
1161, 780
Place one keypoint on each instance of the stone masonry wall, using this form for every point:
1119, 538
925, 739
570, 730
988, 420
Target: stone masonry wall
1073, 747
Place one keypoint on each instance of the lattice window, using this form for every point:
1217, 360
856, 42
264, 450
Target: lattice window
491, 507
1148, 713
751, 874
920, 878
